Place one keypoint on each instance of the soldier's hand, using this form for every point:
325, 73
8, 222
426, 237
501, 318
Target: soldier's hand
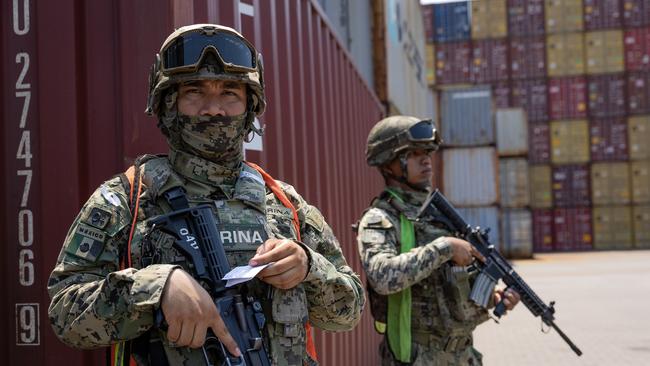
463, 253
510, 298
290, 267
190, 311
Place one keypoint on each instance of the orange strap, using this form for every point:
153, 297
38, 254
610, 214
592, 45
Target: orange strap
279, 193
130, 175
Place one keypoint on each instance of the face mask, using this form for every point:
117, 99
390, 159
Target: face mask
218, 138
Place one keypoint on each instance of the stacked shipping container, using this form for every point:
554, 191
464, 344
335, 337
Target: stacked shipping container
580, 69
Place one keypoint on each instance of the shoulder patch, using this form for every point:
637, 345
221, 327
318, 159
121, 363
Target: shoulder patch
376, 219
87, 242
315, 219
99, 218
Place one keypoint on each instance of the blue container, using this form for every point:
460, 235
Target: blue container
451, 22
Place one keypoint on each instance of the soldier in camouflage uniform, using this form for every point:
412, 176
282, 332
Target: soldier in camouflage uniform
206, 87
417, 272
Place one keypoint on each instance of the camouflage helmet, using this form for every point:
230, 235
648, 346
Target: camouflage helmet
396, 134
182, 56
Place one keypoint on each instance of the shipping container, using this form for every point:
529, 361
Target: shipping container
453, 63
451, 22
565, 54
501, 94
484, 217
637, 49
512, 132
539, 144
612, 227
604, 52
608, 139
427, 19
528, 57
543, 230
606, 95
513, 182
541, 195
75, 77
431, 64
639, 135
532, 96
636, 13
489, 19
563, 16
525, 18
570, 185
489, 61
610, 183
638, 92
640, 174
602, 14
569, 142
467, 117
641, 223
567, 98
463, 168
572, 229
517, 233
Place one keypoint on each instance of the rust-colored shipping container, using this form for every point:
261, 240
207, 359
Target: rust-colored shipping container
570, 185
637, 49
489, 19
541, 195
569, 142
606, 95
641, 224
567, 98
636, 13
517, 233
528, 57
563, 16
612, 227
453, 63
427, 20
75, 87
543, 230
501, 94
602, 14
514, 190
610, 183
525, 18
572, 229
489, 61
532, 96
638, 93
608, 139
604, 52
640, 175
539, 142
565, 54
638, 136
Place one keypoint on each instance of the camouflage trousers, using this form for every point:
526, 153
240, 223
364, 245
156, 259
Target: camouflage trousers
427, 355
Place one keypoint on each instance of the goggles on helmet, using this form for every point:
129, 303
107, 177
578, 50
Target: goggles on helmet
423, 131
185, 52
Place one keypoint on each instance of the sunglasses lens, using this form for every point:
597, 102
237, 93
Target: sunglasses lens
422, 131
187, 49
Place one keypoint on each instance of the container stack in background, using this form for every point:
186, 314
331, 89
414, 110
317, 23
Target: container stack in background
580, 70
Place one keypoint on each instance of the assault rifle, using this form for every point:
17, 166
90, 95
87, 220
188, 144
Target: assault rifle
494, 268
197, 237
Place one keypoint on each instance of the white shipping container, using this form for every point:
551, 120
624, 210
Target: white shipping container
513, 182
517, 233
470, 176
467, 116
512, 132
485, 218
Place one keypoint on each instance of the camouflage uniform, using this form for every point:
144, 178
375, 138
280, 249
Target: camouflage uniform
96, 304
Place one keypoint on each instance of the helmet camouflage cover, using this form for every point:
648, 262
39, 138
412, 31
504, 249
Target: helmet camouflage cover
396, 134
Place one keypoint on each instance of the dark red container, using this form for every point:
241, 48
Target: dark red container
527, 57
526, 18
638, 93
452, 62
489, 60
532, 96
501, 94
602, 14
572, 228
567, 98
427, 19
571, 185
636, 13
543, 230
637, 49
606, 94
608, 139
539, 148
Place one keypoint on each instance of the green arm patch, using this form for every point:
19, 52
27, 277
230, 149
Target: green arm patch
87, 242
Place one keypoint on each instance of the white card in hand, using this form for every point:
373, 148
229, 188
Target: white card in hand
241, 274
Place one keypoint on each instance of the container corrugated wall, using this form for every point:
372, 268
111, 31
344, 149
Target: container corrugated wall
639, 135
570, 185
451, 22
540, 186
543, 230
602, 14
532, 96
452, 62
485, 217
528, 57
563, 16
539, 151
526, 17
572, 228
608, 139
567, 98
82, 114
512, 132
641, 223
612, 227
470, 176
604, 52
640, 177
636, 13
638, 92
637, 49
513, 182
489, 61
610, 183
565, 54
569, 142
489, 19
606, 95
517, 233
467, 117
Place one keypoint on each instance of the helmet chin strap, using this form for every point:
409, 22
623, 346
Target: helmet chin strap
404, 177
250, 119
